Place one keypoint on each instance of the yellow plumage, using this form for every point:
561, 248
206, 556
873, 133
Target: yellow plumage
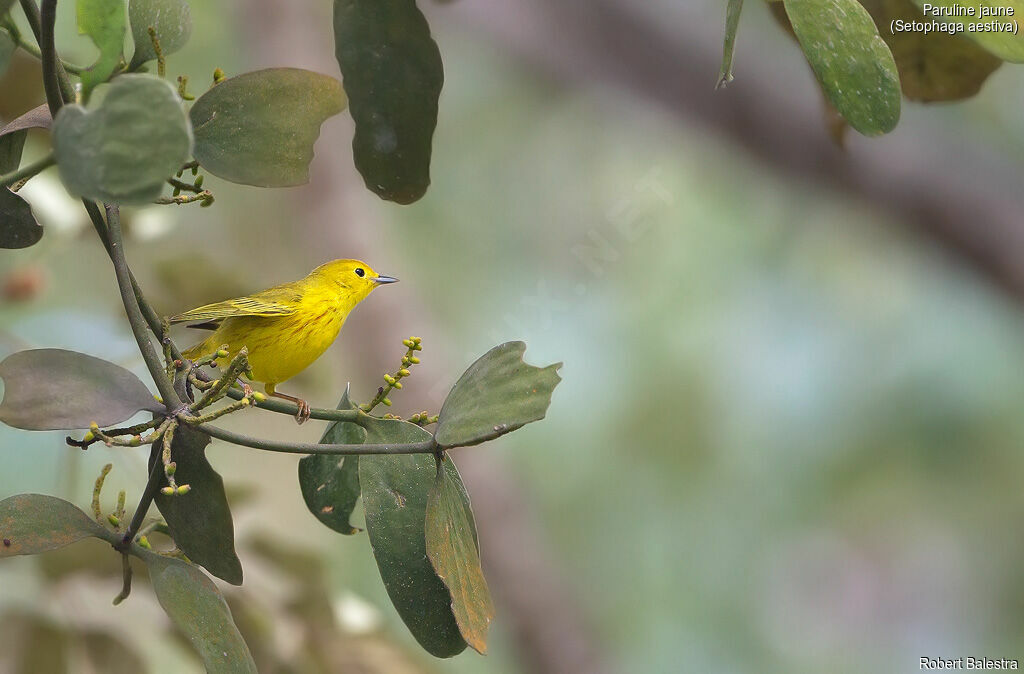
286, 327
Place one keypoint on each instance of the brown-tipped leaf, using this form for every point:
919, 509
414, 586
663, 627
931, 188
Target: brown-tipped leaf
453, 551
198, 609
34, 523
330, 484
496, 395
200, 521
54, 389
259, 128
395, 490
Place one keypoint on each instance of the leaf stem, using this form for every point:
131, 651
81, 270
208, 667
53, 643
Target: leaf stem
155, 473
34, 19
134, 313
285, 407
48, 55
27, 171
424, 447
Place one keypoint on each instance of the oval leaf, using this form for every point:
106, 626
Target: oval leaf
172, 21
330, 484
496, 395
259, 128
124, 150
933, 66
197, 607
103, 21
54, 389
851, 61
200, 521
454, 553
393, 75
34, 523
395, 491
1006, 44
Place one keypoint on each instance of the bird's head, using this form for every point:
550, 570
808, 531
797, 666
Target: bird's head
354, 277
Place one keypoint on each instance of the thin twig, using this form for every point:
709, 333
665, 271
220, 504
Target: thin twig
51, 81
423, 447
155, 473
28, 170
34, 19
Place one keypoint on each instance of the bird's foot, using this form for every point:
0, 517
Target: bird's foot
303, 414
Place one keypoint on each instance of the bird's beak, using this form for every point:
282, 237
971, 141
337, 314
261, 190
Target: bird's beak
385, 279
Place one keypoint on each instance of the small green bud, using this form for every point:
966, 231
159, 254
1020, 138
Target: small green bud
195, 170
218, 75
206, 202
387, 402
398, 384
258, 397
167, 491
135, 441
88, 437
94, 427
417, 347
177, 192
414, 360
222, 353
245, 402
408, 342
184, 489
199, 181
404, 372
113, 521
405, 360
144, 543
170, 468
389, 379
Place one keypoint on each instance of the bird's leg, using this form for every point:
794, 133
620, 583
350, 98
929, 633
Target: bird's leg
303, 414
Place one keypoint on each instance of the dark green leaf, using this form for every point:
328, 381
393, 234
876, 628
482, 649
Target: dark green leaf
103, 21
496, 395
11, 146
395, 490
393, 76
200, 521
18, 227
330, 484
851, 61
7, 46
732, 22
934, 66
34, 523
259, 128
54, 389
1007, 45
196, 606
454, 553
125, 149
172, 21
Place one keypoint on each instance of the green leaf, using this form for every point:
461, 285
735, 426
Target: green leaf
125, 149
36, 118
103, 21
496, 395
934, 66
395, 491
393, 75
18, 227
11, 146
200, 521
259, 128
7, 47
172, 21
330, 484
54, 389
1005, 44
34, 523
197, 607
453, 551
732, 22
854, 66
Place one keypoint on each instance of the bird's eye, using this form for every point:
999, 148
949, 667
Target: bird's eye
360, 273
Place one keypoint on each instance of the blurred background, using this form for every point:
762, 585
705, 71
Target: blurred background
788, 436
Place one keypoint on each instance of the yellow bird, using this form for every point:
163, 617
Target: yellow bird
288, 326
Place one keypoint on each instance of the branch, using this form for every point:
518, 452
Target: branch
155, 473
131, 308
291, 409
51, 80
424, 447
35, 23
27, 171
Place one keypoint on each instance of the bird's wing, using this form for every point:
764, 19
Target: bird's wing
278, 301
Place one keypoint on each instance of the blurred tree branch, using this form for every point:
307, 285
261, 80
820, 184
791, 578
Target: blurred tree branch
942, 188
